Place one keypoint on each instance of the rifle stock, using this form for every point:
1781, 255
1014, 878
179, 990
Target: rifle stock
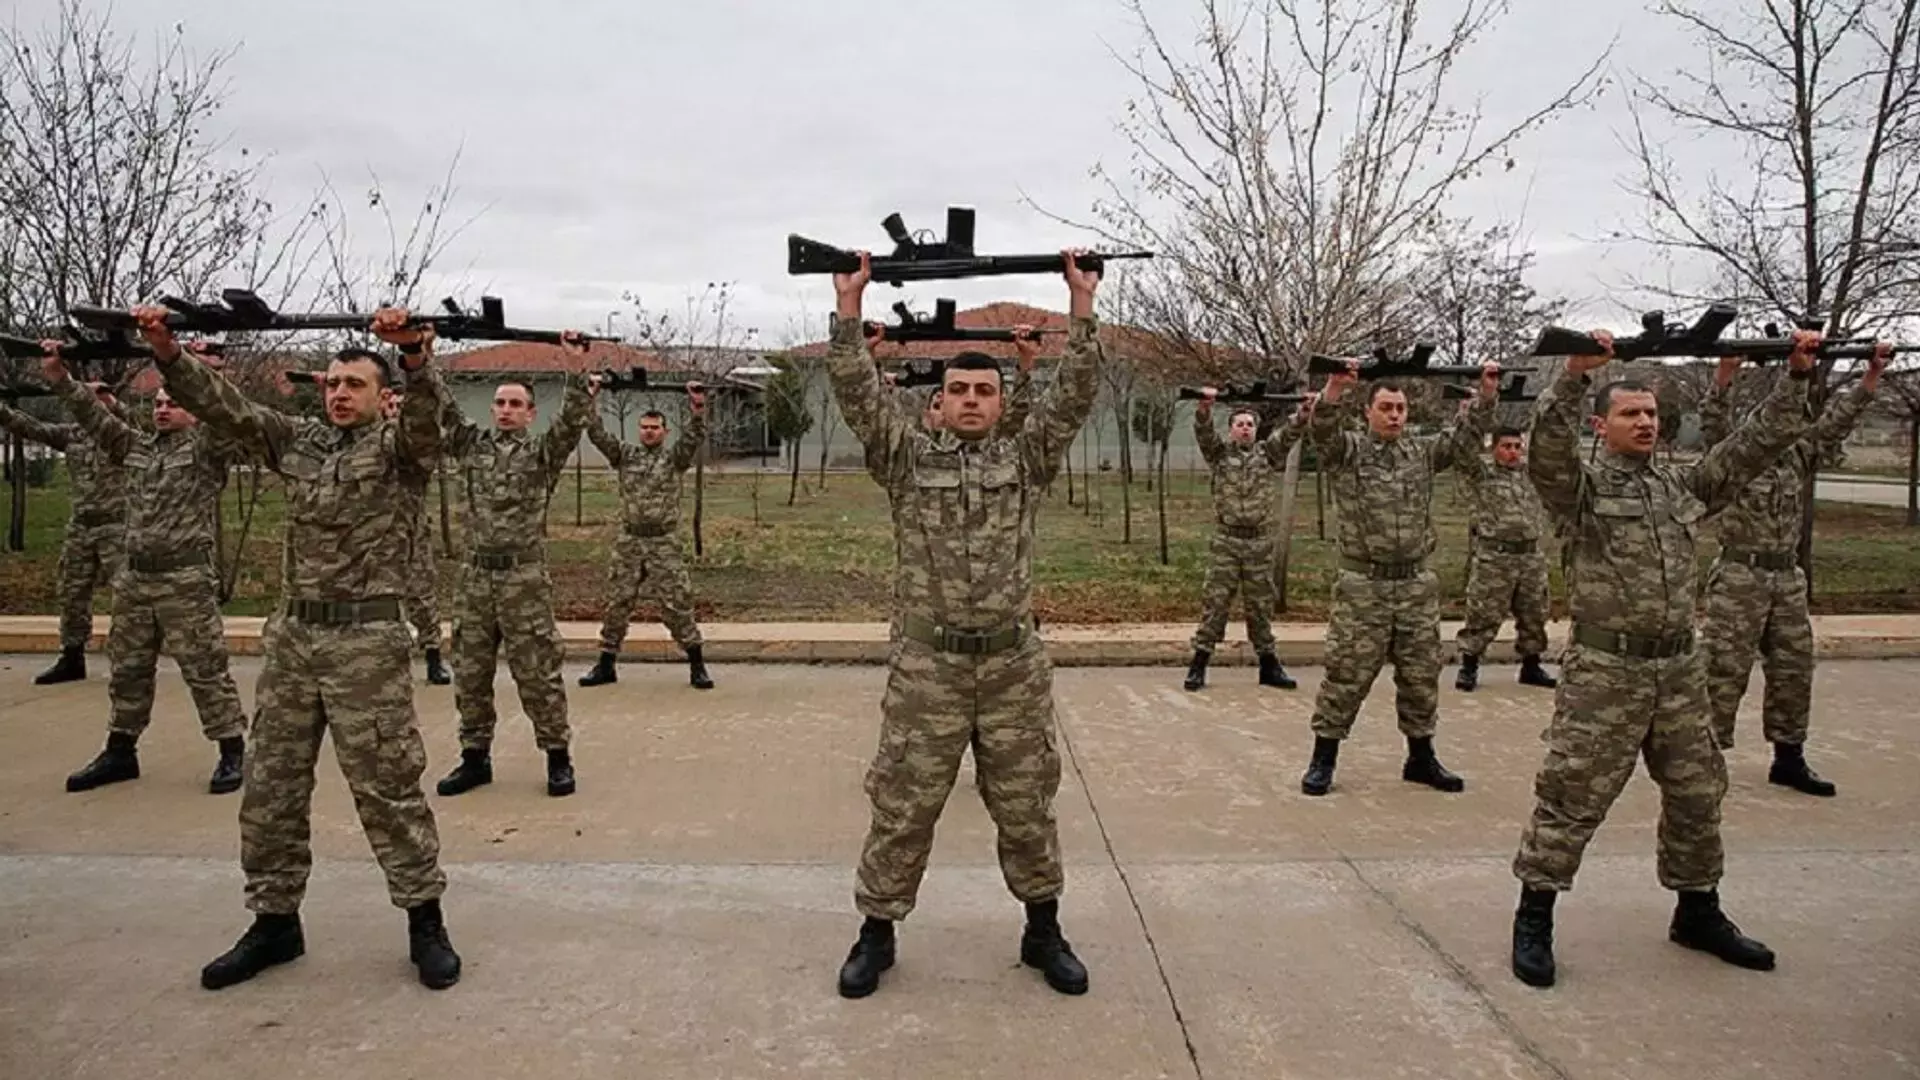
241, 310
942, 260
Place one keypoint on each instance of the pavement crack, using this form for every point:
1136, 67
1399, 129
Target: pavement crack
1126, 885
1461, 974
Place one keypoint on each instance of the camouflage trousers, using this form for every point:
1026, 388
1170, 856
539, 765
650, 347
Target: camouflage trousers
90, 558
1242, 565
510, 610
177, 611
1499, 583
1373, 623
423, 578
937, 705
648, 568
356, 683
1749, 611
1609, 712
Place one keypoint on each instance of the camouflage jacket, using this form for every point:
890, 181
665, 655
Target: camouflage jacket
1630, 524
650, 475
1504, 504
1766, 517
347, 535
1243, 475
99, 486
509, 477
964, 510
1383, 489
174, 478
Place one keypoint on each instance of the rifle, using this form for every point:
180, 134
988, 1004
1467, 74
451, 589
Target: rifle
1254, 394
81, 349
935, 260
941, 327
1415, 365
241, 310
921, 371
1658, 338
636, 378
1515, 391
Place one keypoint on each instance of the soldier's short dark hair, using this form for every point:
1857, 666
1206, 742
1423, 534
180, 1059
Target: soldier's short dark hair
974, 361
1508, 431
654, 414
1381, 386
528, 387
1603, 397
1238, 413
380, 363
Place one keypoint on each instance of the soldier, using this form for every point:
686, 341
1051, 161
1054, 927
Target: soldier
505, 598
165, 595
1241, 556
91, 552
336, 650
423, 607
968, 669
1756, 593
646, 557
1506, 570
1386, 601
1631, 683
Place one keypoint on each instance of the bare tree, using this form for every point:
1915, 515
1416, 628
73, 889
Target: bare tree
1471, 297
788, 418
1152, 422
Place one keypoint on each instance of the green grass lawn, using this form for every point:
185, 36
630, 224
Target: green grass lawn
830, 555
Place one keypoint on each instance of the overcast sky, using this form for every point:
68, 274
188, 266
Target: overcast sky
654, 147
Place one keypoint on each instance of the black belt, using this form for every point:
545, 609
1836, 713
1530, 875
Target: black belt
969, 642
161, 564
649, 532
502, 560
1244, 532
1510, 547
1764, 560
1384, 571
345, 612
1637, 646
98, 517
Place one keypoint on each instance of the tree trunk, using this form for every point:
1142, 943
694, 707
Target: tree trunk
1126, 485
793, 483
1069, 457
579, 487
1160, 498
1283, 546
17, 513
1320, 501
826, 442
1913, 470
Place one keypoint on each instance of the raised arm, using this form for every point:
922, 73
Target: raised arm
262, 432
1716, 408
112, 435
1754, 446
1838, 420
1205, 435
417, 435
1019, 402
1281, 439
34, 429
687, 445
558, 444
1460, 441
458, 435
1332, 442
1553, 454
1060, 414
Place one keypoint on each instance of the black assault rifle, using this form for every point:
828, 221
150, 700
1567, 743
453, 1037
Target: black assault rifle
940, 327
1415, 365
1255, 393
242, 310
1702, 339
935, 260
1515, 391
80, 349
636, 378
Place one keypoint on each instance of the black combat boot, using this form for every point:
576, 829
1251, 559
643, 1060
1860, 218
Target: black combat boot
1197, 671
72, 665
1533, 937
475, 769
1042, 946
870, 955
429, 948
1272, 674
1319, 776
119, 761
697, 669
437, 671
602, 673
1532, 674
1423, 767
1790, 770
559, 772
230, 770
1698, 923
1469, 677
272, 939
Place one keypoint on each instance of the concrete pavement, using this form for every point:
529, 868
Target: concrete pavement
1870, 490
684, 914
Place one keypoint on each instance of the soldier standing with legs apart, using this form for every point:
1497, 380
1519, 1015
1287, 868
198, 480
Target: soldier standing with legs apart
968, 669
1632, 684
1241, 556
336, 651
1507, 571
1386, 601
90, 553
505, 598
165, 595
423, 606
1756, 594
646, 558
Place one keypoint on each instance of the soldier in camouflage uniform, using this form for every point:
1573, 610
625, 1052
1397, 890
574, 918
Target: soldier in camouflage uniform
646, 558
1241, 556
1632, 684
423, 607
90, 554
1756, 593
166, 594
336, 650
505, 598
968, 669
1386, 601
1507, 571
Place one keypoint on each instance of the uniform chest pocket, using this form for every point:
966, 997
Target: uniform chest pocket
140, 460
300, 466
360, 468
999, 475
178, 459
936, 477
1619, 507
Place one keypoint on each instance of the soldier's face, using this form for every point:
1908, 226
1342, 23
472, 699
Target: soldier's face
1242, 427
1387, 413
1632, 423
970, 403
1507, 451
512, 407
353, 393
653, 431
170, 417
